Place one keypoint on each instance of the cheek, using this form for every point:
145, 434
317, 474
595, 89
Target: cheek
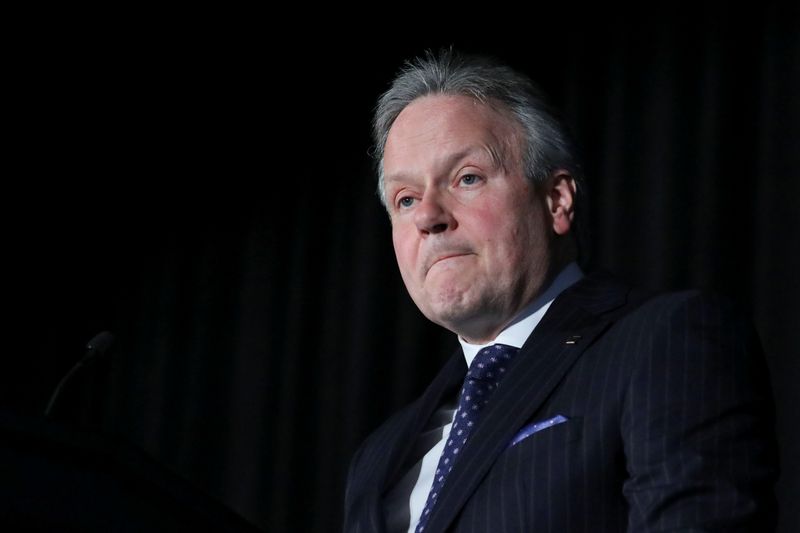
404, 250
502, 234
517, 244
488, 225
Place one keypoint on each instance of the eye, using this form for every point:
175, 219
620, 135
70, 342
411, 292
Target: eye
469, 179
405, 201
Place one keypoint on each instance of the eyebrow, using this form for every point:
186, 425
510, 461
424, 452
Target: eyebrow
451, 161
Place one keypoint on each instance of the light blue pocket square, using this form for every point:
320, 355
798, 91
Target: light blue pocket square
530, 429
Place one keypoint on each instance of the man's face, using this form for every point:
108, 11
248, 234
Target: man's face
471, 234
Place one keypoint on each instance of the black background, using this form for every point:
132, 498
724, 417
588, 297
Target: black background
200, 185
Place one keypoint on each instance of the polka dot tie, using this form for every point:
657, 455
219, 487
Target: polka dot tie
483, 377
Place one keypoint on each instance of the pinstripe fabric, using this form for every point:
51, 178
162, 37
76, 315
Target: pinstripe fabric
670, 426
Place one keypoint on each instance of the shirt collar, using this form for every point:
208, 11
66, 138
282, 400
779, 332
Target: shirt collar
516, 333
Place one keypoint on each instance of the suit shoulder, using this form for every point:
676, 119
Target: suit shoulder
707, 331
601, 286
693, 315
708, 307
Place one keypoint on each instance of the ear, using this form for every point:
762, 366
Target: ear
560, 198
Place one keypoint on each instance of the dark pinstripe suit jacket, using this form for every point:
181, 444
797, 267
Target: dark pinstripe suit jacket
670, 426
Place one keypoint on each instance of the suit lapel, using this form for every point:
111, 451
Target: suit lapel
418, 413
574, 320
399, 436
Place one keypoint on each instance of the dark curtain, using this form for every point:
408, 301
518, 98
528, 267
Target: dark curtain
209, 198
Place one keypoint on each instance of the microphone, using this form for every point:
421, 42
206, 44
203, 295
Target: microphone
96, 347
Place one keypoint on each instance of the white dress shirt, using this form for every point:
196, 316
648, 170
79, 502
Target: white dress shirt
405, 501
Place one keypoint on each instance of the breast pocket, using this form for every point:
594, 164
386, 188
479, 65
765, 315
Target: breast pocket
520, 485
552, 431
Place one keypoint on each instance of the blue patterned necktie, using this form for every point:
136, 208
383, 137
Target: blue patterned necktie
482, 379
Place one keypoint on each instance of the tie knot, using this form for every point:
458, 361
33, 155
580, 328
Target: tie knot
490, 363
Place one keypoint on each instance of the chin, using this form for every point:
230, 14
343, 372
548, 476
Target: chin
454, 312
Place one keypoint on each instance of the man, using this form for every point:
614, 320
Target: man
587, 406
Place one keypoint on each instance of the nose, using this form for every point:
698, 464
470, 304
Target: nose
432, 215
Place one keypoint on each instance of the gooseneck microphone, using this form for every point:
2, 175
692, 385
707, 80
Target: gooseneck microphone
96, 347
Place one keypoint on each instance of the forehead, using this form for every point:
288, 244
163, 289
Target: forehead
438, 126
449, 119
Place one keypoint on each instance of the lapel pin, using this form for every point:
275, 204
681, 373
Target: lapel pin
572, 339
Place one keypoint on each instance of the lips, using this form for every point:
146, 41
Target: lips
443, 256
447, 257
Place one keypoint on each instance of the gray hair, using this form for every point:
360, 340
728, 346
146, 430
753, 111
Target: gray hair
547, 143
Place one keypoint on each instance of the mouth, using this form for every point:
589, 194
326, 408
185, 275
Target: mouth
445, 257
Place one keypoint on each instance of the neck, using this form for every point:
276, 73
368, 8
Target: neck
486, 330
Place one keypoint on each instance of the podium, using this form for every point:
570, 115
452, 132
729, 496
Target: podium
54, 478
